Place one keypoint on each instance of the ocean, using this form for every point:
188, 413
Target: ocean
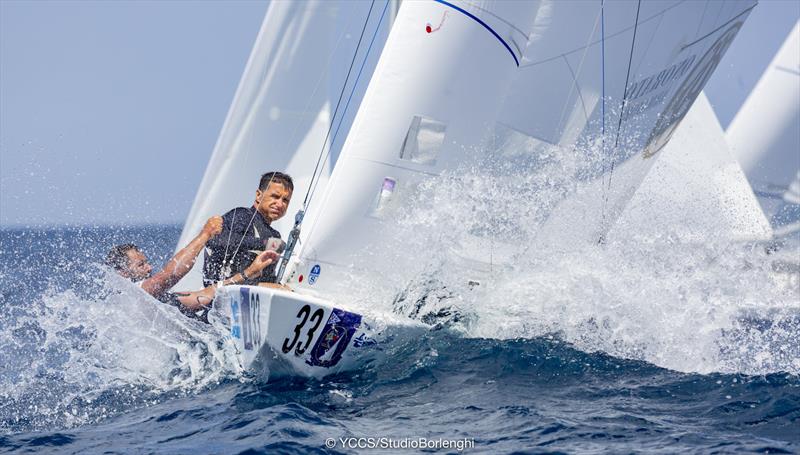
629, 349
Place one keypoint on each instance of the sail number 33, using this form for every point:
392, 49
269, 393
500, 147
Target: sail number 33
314, 319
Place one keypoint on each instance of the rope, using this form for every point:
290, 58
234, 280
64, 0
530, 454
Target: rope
352, 91
603, 103
622, 109
338, 102
625, 92
294, 236
294, 131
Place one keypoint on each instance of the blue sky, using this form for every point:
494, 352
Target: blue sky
109, 111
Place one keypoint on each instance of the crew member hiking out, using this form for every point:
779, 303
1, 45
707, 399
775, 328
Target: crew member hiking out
130, 262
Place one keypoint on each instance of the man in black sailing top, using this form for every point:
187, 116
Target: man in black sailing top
130, 262
245, 231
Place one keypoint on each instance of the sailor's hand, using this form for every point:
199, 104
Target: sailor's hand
261, 262
213, 226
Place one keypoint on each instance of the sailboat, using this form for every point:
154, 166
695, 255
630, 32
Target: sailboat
584, 94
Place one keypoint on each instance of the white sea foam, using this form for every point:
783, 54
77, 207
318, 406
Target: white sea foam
76, 359
715, 306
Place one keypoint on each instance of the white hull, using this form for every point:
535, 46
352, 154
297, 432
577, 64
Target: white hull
278, 333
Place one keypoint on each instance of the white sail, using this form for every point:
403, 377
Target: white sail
765, 134
696, 190
456, 78
679, 46
283, 108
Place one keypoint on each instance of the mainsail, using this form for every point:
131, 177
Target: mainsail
599, 86
284, 107
765, 135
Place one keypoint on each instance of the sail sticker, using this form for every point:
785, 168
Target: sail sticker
384, 196
430, 29
314, 274
334, 338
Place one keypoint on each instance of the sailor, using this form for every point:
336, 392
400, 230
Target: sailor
129, 261
245, 232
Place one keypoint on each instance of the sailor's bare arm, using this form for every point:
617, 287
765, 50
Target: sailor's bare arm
182, 262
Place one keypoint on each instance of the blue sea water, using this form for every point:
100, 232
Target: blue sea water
622, 360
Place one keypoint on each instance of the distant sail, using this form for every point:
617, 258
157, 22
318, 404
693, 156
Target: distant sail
603, 85
765, 135
283, 107
696, 191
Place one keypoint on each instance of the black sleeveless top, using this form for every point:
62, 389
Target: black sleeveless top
172, 299
244, 231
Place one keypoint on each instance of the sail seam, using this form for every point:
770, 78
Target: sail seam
486, 11
613, 35
484, 24
574, 73
397, 166
718, 28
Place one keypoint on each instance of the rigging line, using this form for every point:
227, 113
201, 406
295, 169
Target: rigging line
650, 43
718, 28
353, 89
228, 242
288, 141
615, 34
702, 18
603, 94
624, 95
317, 85
338, 102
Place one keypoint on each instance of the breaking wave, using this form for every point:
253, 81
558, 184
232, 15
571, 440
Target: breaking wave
80, 344
720, 305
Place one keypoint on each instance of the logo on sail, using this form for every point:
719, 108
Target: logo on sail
684, 97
